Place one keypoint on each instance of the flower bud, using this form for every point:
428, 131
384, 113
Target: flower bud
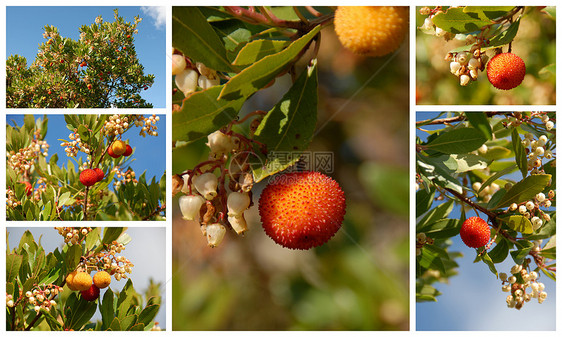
206, 185
186, 81
238, 223
464, 79
219, 143
215, 234
205, 83
190, 205
237, 203
178, 64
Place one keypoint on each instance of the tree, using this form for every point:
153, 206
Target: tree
38, 189
100, 70
502, 167
41, 287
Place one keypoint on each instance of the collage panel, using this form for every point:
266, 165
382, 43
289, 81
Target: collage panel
485, 221
290, 168
85, 278
85, 57
486, 55
92, 167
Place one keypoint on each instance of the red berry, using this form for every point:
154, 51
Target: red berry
128, 151
302, 210
506, 71
100, 173
89, 86
28, 188
88, 177
475, 232
91, 294
111, 153
128, 36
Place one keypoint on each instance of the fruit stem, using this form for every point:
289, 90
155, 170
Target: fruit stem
313, 11
299, 14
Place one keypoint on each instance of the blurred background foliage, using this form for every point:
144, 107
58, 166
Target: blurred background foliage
535, 43
359, 279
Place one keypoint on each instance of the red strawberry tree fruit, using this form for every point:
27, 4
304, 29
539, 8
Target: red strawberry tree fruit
486, 51
486, 180
99, 70
39, 295
39, 188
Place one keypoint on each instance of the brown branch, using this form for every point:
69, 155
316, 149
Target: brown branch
458, 118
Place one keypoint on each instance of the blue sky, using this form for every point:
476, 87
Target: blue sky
473, 299
24, 34
149, 263
149, 152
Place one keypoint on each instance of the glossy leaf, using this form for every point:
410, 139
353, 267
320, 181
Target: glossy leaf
258, 49
196, 39
479, 121
290, 125
201, 114
456, 21
424, 200
500, 252
465, 162
258, 75
524, 190
457, 141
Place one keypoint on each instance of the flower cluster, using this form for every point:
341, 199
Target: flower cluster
189, 76
421, 240
109, 261
75, 145
219, 202
117, 124
73, 235
522, 287
23, 160
126, 177
39, 297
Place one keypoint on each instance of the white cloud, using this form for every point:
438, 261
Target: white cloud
156, 13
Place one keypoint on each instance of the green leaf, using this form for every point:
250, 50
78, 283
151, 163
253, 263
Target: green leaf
457, 141
504, 37
148, 314
438, 173
548, 70
441, 229
128, 322
465, 162
259, 74
520, 254
289, 126
427, 293
456, 21
196, 39
430, 260
519, 223
496, 176
490, 12
519, 150
549, 253
524, 190
479, 121
258, 49
201, 114
115, 325
80, 313
111, 234
496, 152
106, 308
13, 264
499, 252
424, 200
438, 213
72, 258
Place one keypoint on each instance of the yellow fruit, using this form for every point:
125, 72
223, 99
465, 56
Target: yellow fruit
82, 281
102, 279
119, 147
371, 30
69, 280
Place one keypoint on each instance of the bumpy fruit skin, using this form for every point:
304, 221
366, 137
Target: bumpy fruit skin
88, 177
371, 30
119, 147
91, 294
100, 173
302, 210
102, 279
70, 279
475, 232
128, 151
82, 281
506, 71
112, 154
